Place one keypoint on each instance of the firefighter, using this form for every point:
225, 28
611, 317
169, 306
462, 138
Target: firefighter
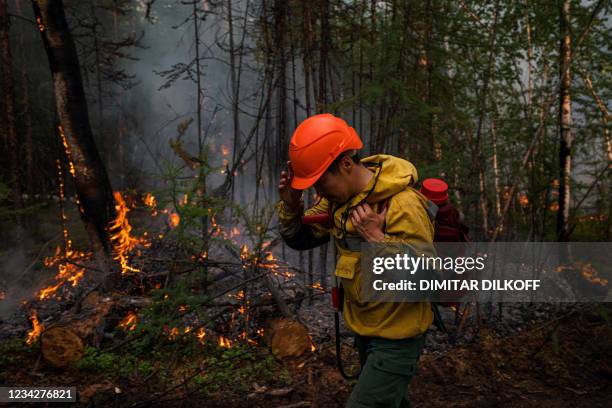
368, 199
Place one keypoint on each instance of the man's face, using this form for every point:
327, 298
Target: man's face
336, 186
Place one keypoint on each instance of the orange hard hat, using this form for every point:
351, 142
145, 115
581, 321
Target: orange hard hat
315, 144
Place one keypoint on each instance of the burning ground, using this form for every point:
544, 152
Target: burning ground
237, 325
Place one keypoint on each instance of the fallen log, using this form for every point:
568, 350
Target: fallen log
287, 337
63, 343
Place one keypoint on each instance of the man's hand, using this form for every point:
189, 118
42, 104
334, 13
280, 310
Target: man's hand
368, 223
290, 196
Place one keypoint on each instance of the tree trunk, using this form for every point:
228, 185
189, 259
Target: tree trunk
565, 121
29, 146
8, 96
93, 187
495, 169
488, 77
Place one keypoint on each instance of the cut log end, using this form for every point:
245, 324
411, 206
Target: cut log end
61, 347
288, 338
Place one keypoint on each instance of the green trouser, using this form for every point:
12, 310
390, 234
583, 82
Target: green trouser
387, 366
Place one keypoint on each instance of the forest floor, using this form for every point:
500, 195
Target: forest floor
562, 360
535, 355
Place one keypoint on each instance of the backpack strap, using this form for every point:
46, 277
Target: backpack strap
432, 210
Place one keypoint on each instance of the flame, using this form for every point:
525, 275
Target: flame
187, 329
225, 150
129, 322
244, 252
46, 293
122, 240
234, 232
590, 274
67, 268
317, 285
312, 345
174, 219
67, 260
150, 201
39, 23
224, 342
37, 328
182, 308
184, 200
524, 200
200, 334
67, 150
173, 333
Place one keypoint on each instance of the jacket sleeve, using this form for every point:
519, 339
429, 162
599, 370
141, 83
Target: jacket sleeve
408, 222
297, 235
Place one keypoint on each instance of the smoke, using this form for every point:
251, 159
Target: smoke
15, 280
157, 109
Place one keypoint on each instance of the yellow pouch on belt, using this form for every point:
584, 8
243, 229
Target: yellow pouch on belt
347, 265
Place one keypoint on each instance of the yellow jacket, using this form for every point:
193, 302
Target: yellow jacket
407, 221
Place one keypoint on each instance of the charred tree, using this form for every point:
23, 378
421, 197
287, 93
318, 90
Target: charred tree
93, 187
8, 100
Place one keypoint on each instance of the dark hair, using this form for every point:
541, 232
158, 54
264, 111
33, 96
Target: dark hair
333, 167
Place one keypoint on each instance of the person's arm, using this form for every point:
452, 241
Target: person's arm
290, 211
297, 235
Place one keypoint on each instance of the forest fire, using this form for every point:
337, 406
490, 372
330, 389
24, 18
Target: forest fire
37, 328
318, 286
189, 287
174, 219
174, 332
68, 266
201, 334
129, 322
39, 23
67, 150
224, 342
123, 241
150, 201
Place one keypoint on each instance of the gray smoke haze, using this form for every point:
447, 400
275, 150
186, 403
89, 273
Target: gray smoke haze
170, 41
